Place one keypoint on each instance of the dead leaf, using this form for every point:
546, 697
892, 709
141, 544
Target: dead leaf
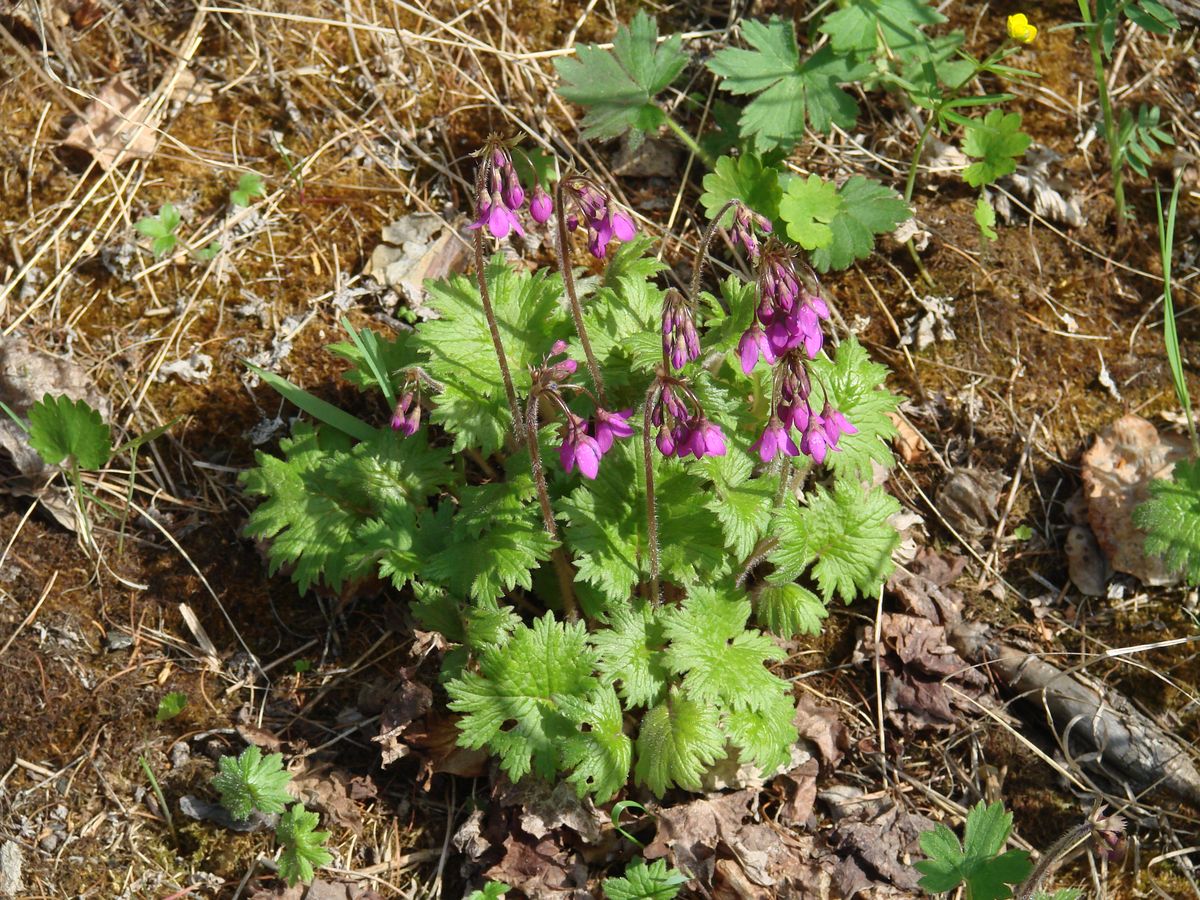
328, 792
413, 251
1053, 197
542, 808
652, 159
918, 662
318, 890
1117, 471
969, 499
931, 325
469, 839
1086, 564
821, 725
116, 126
908, 442
438, 741
687, 834
541, 869
800, 784
922, 586
410, 701
260, 738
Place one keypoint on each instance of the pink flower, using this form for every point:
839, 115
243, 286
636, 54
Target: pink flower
752, 346
579, 449
610, 425
775, 439
541, 206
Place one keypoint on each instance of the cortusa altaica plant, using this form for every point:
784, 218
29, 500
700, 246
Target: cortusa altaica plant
611, 499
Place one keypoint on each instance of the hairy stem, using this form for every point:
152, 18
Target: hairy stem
568, 277
562, 568
702, 251
1058, 852
486, 298
651, 512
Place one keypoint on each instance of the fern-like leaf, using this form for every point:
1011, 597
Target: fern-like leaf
251, 781
1171, 519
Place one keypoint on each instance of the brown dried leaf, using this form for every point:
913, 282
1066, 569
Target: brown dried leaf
1117, 471
821, 725
541, 869
907, 441
969, 499
328, 792
116, 126
409, 701
1086, 564
543, 808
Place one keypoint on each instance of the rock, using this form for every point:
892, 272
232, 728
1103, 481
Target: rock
1117, 471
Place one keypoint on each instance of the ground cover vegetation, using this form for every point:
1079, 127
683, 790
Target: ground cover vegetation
636, 518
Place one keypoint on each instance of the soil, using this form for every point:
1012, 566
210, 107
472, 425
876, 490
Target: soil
93, 639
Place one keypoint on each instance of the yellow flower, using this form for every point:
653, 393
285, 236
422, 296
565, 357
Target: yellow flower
1019, 29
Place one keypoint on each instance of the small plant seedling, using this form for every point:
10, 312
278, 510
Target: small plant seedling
977, 862
171, 705
252, 781
303, 846
204, 254
493, 890
161, 229
249, 186
301, 666
645, 882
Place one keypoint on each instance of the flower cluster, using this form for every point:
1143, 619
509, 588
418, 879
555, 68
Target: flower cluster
406, 417
681, 342
787, 320
594, 208
500, 193
683, 428
584, 443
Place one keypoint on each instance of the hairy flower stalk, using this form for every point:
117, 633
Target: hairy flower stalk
498, 198
595, 209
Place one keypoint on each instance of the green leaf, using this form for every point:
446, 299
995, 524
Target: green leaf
1171, 519
601, 756
788, 610
618, 86
842, 534
764, 736
460, 354
61, 428
1140, 139
319, 409
392, 354
606, 525
1060, 894
251, 781
630, 651
790, 90
977, 862
249, 186
498, 537
839, 225
856, 386
679, 739
512, 705
209, 252
161, 229
325, 508
985, 218
1152, 16
303, 846
171, 705
645, 882
626, 306
862, 24
493, 890
741, 504
721, 662
998, 142
743, 178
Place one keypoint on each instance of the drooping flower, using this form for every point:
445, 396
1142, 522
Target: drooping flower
579, 448
500, 195
541, 205
597, 212
835, 424
1020, 29
406, 417
752, 346
814, 442
610, 425
681, 341
705, 439
775, 438
744, 222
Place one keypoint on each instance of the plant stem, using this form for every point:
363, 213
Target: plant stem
702, 251
568, 277
486, 297
689, 142
910, 182
1166, 241
158, 795
651, 512
561, 567
1095, 36
1061, 850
